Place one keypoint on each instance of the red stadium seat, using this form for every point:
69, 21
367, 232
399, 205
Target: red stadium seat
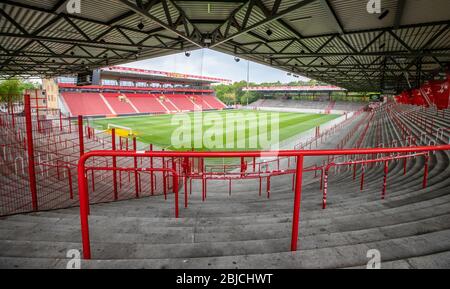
146, 103
214, 102
85, 104
182, 102
80, 103
119, 106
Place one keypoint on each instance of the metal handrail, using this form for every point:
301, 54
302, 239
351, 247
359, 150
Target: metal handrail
299, 154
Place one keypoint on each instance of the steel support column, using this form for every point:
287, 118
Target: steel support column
30, 152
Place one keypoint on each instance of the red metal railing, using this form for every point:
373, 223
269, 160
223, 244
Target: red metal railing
39, 151
57, 143
363, 162
58, 140
299, 155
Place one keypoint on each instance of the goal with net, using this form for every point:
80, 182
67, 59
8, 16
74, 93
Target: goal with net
121, 130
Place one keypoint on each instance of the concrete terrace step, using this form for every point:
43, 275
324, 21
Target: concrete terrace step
432, 261
109, 250
392, 250
269, 206
434, 198
217, 231
245, 218
339, 233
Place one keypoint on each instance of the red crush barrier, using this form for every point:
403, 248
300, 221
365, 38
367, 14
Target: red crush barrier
82, 175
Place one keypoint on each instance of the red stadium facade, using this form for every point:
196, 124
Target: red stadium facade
126, 91
431, 93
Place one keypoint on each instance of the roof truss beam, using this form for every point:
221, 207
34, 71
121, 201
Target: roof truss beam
130, 5
270, 18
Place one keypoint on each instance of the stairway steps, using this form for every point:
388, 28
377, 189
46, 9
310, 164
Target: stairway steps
337, 257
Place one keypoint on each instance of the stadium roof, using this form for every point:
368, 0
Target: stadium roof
159, 75
312, 88
335, 41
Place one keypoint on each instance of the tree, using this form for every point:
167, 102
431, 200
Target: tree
235, 92
249, 97
224, 93
11, 90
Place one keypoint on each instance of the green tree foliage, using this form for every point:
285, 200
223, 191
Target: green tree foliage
234, 93
249, 97
11, 90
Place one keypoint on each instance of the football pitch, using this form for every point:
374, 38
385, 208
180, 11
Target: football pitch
184, 131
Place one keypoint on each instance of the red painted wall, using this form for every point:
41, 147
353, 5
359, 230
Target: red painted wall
437, 90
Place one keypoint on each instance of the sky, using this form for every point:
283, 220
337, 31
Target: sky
214, 64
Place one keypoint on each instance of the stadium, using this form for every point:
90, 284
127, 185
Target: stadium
105, 166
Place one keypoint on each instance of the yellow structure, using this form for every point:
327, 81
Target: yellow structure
50, 86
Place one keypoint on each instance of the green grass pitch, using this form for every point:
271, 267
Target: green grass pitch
159, 129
